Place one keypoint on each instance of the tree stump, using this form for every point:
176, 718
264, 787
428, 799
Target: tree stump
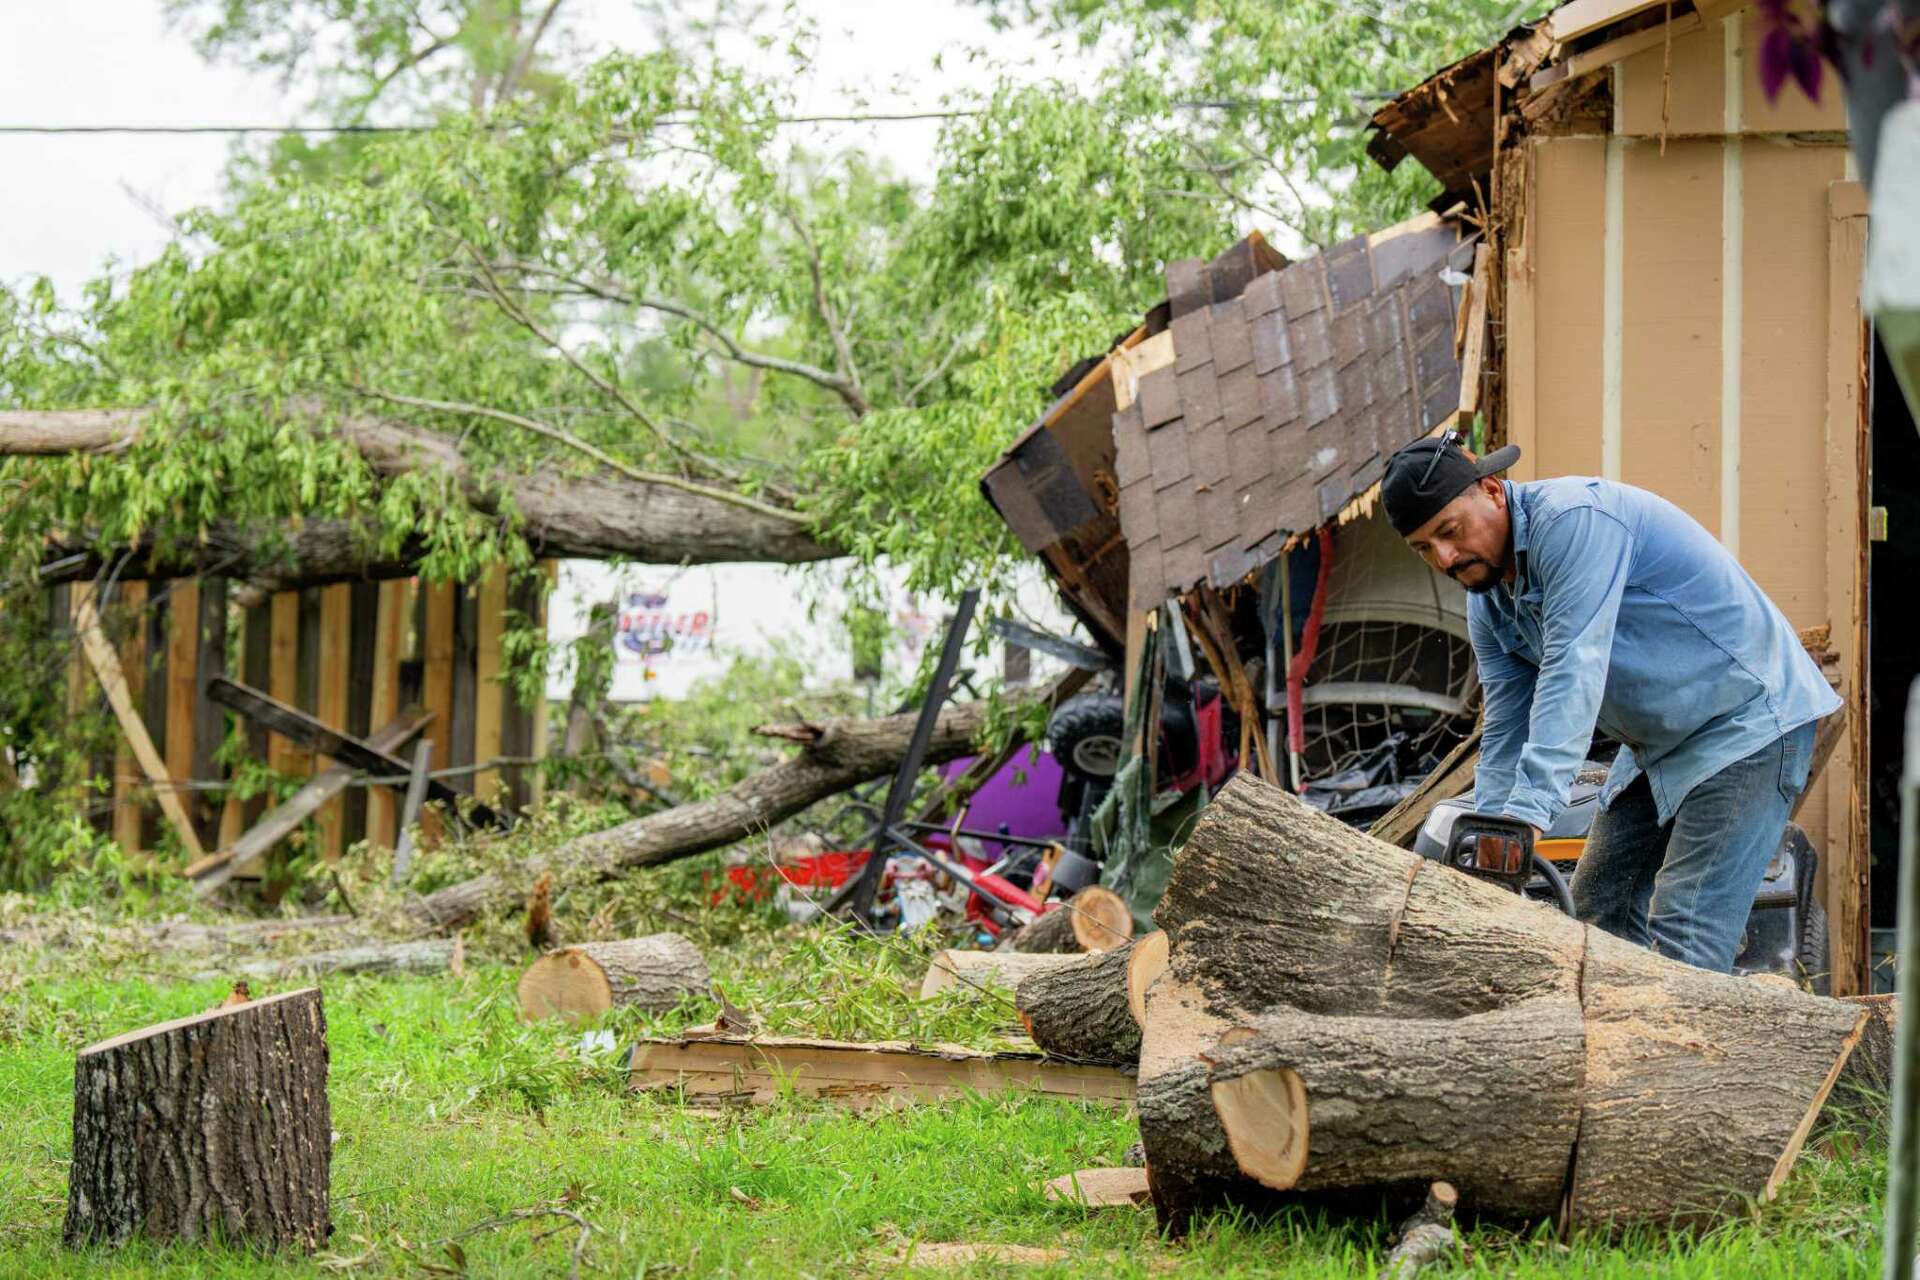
1078, 1011
213, 1126
654, 974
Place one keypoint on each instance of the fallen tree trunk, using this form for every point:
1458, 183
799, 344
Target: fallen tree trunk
567, 511
209, 1127
1337, 1014
429, 955
652, 974
844, 754
977, 969
1079, 1011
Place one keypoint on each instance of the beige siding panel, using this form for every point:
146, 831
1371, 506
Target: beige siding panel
1784, 375
1566, 242
1792, 112
1696, 92
1670, 344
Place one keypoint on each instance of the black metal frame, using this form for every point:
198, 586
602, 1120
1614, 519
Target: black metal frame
855, 898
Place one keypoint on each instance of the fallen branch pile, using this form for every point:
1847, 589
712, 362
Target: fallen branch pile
1328, 1013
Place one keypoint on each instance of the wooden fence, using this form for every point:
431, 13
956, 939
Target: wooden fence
352, 655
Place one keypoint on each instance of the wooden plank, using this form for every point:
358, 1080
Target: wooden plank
1474, 348
1847, 848
1670, 385
214, 870
972, 969
183, 666
313, 735
1101, 1188
209, 719
128, 807
106, 666
330, 703
1605, 55
489, 695
736, 1069
1565, 239
466, 647
537, 744
283, 679
1578, 17
389, 647
1678, 91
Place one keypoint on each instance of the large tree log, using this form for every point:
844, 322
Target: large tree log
567, 511
214, 1126
1490, 1102
1079, 1011
1720, 1078
1304, 955
843, 754
652, 974
1271, 902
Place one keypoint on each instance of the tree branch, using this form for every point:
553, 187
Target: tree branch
591, 450
525, 57
842, 352
513, 311
841, 385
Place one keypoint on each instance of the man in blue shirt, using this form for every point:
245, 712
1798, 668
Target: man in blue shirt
1593, 603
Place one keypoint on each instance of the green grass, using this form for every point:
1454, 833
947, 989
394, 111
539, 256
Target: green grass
450, 1113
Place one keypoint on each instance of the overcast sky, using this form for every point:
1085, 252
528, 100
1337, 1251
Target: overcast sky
75, 203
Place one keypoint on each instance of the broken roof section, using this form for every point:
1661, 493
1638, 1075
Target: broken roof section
1259, 401
1280, 406
1055, 486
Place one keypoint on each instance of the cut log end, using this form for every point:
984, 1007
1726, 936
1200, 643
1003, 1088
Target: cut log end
584, 982
1102, 920
1147, 963
1264, 1114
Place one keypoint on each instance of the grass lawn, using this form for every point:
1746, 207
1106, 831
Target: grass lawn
451, 1115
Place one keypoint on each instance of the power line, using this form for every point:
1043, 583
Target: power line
867, 117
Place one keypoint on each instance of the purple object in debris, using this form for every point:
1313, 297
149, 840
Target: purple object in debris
1024, 797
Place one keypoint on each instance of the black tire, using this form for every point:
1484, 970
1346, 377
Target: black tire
1813, 955
1087, 734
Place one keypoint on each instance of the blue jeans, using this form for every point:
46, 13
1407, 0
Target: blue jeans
1685, 889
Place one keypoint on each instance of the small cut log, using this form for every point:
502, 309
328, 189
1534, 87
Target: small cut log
654, 974
1491, 1102
1094, 919
209, 1127
1079, 1012
430, 955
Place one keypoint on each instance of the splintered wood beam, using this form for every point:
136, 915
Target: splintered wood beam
106, 667
297, 726
1474, 349
214, 870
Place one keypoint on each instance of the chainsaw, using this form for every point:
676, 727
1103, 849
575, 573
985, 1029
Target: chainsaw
1494, 848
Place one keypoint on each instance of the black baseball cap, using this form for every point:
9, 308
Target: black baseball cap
1428, 474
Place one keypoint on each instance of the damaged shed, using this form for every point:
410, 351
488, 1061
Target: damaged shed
1639, 268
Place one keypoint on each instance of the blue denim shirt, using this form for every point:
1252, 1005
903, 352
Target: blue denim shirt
1625, 613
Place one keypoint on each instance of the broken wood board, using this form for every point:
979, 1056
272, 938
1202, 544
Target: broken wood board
742, 1070
313, 735
214, 870
953, 968
106, 666
1100, 1188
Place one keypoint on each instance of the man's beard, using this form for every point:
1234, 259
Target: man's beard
1484, 585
